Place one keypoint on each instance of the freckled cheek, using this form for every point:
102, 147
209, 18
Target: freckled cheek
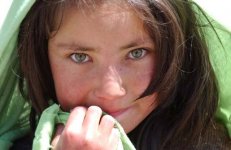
145, 71
71, 91
139, 81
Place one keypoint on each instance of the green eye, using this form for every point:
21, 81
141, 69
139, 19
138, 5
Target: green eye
137, 53
80, 57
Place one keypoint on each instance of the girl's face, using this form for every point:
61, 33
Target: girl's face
104, 58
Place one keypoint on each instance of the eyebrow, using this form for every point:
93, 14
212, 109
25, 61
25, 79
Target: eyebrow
74, 46
137, 42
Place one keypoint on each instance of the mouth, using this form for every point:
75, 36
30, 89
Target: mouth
118, 112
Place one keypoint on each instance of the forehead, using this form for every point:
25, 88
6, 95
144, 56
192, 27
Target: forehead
113, 12
113, 17
106, 16
106, 11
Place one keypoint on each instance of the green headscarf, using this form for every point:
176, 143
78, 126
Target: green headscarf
220, 55
14, 111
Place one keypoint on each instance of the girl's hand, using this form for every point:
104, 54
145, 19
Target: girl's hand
86, 129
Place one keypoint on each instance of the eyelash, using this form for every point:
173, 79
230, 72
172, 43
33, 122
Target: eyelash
87, 58
74, 58
143, 53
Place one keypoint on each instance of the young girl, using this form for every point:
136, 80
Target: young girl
143, 62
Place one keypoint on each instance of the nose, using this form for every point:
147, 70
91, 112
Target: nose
109, 85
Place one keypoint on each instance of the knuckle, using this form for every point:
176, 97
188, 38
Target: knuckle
95, 109
108, 118
79, 109
80, 140
70, 134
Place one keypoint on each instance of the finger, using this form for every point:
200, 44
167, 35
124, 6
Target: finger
56, 136
114, 139
75, 120
106, 125
91, 121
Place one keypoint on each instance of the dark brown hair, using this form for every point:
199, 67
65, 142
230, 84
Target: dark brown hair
185, 80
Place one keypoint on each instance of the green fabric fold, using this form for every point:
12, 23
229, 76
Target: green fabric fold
14, 111
220, 55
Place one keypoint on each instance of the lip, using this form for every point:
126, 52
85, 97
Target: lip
118, 112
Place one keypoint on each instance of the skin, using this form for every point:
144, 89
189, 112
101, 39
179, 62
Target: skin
101, 60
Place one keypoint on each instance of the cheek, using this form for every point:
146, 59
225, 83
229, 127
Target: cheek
70, 90
143, 77
140, 79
